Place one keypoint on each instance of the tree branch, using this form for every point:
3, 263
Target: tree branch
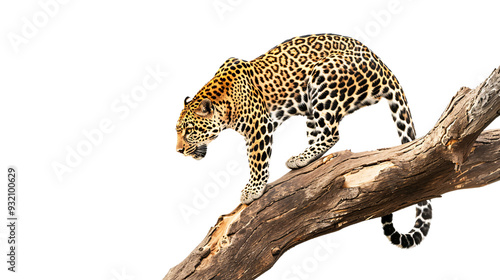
345, 188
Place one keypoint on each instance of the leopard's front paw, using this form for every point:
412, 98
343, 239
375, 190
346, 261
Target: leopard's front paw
296, 162
251, 193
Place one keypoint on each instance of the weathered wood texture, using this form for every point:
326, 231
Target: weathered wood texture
345, 188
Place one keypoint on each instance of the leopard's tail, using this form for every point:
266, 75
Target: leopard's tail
406, 130
416, 234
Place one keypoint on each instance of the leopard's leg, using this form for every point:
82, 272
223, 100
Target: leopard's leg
311, 130
321, 138
259, 151
324, 112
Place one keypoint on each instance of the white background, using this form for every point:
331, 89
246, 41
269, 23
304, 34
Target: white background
132, 208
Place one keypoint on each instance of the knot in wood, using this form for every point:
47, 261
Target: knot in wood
275, 251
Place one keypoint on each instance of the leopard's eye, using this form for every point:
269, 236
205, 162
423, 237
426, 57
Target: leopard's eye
189, 130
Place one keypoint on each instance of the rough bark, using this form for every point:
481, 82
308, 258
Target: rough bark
345, 188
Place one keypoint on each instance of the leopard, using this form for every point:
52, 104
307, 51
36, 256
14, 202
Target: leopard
323, 77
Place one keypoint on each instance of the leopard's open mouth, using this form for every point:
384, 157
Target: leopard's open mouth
197, 152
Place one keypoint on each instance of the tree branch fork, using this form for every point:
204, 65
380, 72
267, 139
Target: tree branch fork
345, 188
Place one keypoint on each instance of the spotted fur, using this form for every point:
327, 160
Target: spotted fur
322, 77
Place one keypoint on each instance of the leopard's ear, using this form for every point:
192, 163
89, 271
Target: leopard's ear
186, 101
205, 108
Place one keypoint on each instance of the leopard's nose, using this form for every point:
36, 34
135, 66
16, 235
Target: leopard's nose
180, 150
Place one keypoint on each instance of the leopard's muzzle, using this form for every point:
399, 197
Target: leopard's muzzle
197, 152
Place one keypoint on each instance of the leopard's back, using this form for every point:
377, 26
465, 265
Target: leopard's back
286, 74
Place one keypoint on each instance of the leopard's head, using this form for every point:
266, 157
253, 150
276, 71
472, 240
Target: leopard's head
198, 124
